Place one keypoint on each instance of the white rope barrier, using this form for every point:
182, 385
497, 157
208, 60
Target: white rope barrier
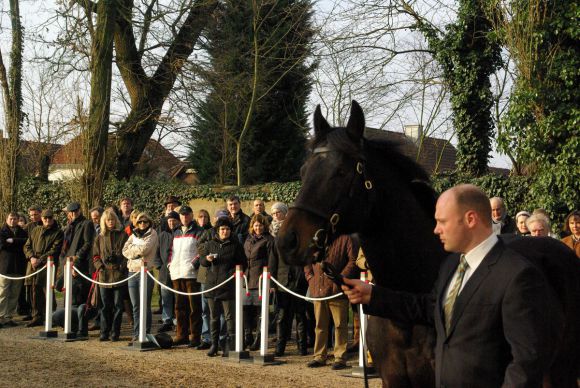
246, 284
22, 277
105, 284
189, 293
302, 296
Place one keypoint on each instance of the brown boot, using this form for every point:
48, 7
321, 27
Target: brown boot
128, 307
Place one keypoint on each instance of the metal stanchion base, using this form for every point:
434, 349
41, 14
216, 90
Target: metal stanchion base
142, 346
267, 359
243, 356
358, 371
46, 335
70, 337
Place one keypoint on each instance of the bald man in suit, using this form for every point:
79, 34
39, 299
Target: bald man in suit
490, 306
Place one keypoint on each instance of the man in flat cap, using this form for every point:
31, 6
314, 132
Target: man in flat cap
43, 242
170, 204
79, 235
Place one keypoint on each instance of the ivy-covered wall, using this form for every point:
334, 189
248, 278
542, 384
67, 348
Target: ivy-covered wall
519, 192
148, 195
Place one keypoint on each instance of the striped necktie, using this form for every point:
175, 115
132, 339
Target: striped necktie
454, 291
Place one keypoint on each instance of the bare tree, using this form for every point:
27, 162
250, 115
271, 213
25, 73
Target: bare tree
95, 136
11, 84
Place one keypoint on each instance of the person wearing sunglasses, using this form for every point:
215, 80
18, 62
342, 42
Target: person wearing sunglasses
140, 249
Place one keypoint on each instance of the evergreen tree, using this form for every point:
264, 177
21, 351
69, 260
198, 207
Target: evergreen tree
273, 149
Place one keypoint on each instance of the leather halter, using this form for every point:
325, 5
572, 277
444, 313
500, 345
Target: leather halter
324, 236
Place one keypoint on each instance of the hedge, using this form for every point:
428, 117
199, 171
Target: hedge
519, 193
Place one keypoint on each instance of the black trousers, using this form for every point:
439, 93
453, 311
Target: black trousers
289, 307
216, 308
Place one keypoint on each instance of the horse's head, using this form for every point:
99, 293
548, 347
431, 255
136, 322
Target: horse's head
336, 193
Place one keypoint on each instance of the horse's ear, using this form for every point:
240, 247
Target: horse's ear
321, 126
356, 123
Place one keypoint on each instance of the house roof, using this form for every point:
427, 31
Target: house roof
32, 154
155, 160
435, 155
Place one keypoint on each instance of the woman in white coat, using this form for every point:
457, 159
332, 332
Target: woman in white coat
139, 250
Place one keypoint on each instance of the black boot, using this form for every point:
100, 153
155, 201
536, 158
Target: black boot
213, 350
248, 317
228, 344
256, 344
248, 340
280, 348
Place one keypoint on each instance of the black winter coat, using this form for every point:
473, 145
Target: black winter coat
241, 223
229, 254
259, 252
162, 256
12, 259
81, 244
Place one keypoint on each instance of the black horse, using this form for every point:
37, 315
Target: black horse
357, 183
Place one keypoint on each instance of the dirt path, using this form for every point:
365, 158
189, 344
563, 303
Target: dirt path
27, 362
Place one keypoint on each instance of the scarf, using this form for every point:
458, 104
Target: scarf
275, 227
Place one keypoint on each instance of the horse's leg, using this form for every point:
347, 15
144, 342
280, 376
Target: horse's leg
384, 342
420, 359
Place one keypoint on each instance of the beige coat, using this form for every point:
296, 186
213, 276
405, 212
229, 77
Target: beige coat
140, 250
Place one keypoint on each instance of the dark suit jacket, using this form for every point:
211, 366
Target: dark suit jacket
12, 259
83, 236
499, 333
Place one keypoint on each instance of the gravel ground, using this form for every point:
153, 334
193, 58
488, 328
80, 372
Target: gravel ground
30, 362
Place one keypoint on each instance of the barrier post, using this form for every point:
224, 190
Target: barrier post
68, 335
359, 370
239, 353
264, 357
48, 330
143, 343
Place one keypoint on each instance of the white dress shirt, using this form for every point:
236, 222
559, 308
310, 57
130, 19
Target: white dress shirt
474, 258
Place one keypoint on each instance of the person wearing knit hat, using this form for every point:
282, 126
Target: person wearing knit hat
289, 307
223, 221
279, 206
278, 212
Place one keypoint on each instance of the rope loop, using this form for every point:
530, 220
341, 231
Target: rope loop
305, 297
23, 277
104, 284
188, 293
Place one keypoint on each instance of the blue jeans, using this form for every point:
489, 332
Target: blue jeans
167, 306
112, 310
133, 285
79, 320
205, 329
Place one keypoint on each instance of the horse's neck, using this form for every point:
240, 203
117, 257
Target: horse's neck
401, 249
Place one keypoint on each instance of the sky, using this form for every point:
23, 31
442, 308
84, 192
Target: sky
35, 14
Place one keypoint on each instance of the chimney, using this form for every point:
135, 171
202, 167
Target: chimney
414, 132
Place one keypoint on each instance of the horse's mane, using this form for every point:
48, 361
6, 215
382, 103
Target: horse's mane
377, 144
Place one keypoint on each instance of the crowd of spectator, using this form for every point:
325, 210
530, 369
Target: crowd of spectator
191, 252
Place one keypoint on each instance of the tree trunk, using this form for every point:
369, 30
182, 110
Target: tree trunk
12, 90
96, 134
148, 94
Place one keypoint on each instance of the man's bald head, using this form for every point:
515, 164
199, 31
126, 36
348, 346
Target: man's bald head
463, 218
471, 197
498, 209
